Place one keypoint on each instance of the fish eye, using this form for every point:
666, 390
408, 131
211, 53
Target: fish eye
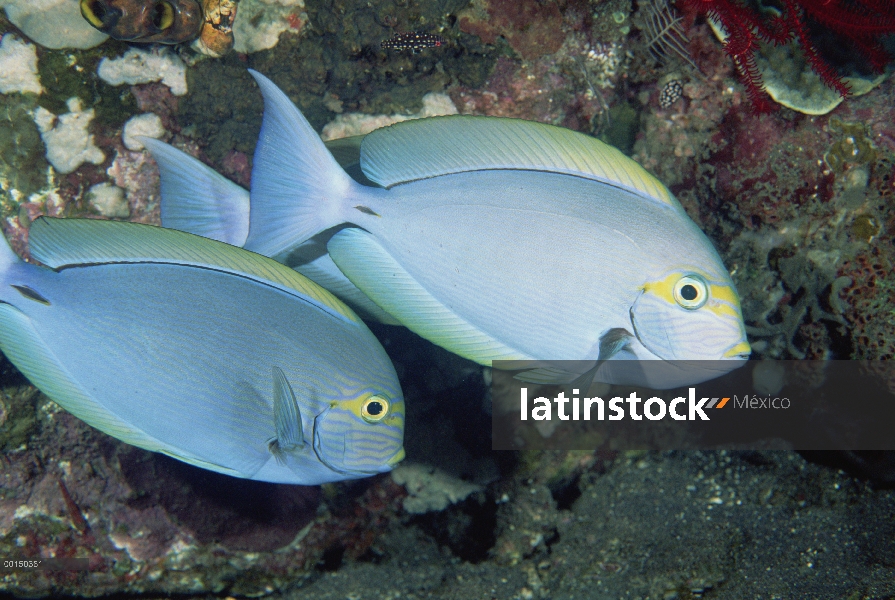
162, 15
94, 11
374, 409
691, 292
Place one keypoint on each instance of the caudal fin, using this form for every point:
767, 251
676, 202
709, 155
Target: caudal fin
7, 256
297, 185
198, 200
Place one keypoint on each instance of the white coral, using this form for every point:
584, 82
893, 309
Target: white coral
430, 489
142, 66
146, 125
348, 124
66, 138
18, 66
259, 23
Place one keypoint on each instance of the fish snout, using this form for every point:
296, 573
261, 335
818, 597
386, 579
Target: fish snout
740, 350
398, 457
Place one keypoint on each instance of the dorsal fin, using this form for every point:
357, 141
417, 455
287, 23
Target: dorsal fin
424, 148
60, 243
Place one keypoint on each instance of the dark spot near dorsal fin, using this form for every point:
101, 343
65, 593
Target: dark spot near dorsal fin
366, 210
31, 294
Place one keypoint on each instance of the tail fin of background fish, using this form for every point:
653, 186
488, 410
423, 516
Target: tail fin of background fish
7, 257
15, 280
298, 188
198, 200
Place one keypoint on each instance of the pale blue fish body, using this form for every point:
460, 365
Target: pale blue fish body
501, 239
196, 199
215, 356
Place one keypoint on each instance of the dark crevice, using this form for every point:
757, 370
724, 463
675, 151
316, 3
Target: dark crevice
468, 528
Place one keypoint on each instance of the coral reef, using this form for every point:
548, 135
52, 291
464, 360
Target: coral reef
18, 66
531, 28
144, 66
349, 124
147, 124
860, 23
792, 201
260, 22
801, 208
146, 522
430, 489
108, 200
68, 143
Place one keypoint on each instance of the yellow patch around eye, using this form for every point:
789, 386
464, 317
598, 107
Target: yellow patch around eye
723, 309
724, 293
372, 408
664, 288
723, 300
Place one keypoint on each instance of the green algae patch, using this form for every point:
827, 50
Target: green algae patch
852, 146
18, 414
624, 123
23, 168
225, 117
66, 74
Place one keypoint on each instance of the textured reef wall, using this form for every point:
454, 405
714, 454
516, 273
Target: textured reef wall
801, 207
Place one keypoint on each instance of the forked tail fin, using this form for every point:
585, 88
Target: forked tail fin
198, 200
7, 256
297, 186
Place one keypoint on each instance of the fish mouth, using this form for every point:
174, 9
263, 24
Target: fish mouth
740, 351
398, 457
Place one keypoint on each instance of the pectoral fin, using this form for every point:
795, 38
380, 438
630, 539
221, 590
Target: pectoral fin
286, 416
611, 343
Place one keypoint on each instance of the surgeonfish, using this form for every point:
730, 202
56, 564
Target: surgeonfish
207, 353
196, 199
505, 240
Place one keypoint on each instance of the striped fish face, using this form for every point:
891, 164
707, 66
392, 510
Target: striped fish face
691, 314
363, 435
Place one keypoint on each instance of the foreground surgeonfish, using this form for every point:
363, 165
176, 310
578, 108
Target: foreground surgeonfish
503, 239
196, 199
213, 355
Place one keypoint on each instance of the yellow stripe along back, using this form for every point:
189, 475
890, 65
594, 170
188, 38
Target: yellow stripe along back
65, 242
436, 146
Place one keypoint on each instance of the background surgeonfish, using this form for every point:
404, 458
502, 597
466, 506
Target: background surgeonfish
207, 353
502, 239
196, 199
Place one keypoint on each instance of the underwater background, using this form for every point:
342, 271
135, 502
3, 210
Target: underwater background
795, 189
